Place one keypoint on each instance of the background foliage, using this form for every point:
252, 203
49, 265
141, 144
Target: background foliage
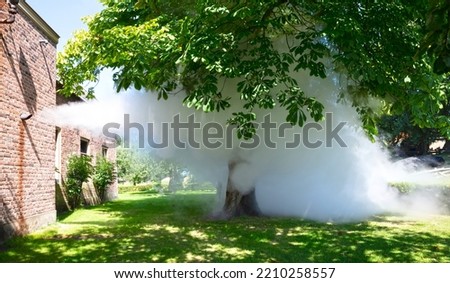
139, 166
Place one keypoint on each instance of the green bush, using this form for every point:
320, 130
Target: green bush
79, 169
149, 188
104, 175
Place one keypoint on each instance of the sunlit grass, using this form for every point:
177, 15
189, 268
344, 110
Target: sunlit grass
149, 227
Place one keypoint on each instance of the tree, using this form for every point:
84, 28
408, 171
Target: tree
138, 165
436, 41
132, 166
198, 45
124, 161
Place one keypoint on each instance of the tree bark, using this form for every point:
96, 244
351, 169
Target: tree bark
237, 203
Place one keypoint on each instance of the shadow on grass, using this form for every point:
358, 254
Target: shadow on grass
173, 228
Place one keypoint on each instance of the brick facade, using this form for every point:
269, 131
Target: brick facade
28, 148
70, 144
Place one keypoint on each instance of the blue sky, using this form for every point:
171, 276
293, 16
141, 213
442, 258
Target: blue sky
64, 16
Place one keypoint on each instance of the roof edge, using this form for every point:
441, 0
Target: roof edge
26, 10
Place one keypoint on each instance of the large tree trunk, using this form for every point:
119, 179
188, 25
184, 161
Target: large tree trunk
237, 203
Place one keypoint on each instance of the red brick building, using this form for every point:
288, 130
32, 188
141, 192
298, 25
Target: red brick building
33, 153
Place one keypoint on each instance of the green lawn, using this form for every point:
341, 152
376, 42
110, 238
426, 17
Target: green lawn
149, 227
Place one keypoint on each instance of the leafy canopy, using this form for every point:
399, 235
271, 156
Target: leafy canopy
198, 45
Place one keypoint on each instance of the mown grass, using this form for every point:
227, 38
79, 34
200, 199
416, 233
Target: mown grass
149, 227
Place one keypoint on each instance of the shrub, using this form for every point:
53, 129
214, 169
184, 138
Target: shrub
104, 175
148, 188
79, 169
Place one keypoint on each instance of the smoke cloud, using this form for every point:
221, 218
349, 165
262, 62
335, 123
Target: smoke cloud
329, 181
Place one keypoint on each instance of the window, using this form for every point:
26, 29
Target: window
84, 146
104, 151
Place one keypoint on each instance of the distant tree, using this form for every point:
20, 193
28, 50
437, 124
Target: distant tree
123, 163
132, 166
139, 165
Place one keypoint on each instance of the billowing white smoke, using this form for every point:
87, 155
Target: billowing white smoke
340, 176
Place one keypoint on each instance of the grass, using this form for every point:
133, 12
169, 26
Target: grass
148, 227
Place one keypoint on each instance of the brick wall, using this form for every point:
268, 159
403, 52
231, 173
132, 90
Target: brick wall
70, 145
28, 76
29, 150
